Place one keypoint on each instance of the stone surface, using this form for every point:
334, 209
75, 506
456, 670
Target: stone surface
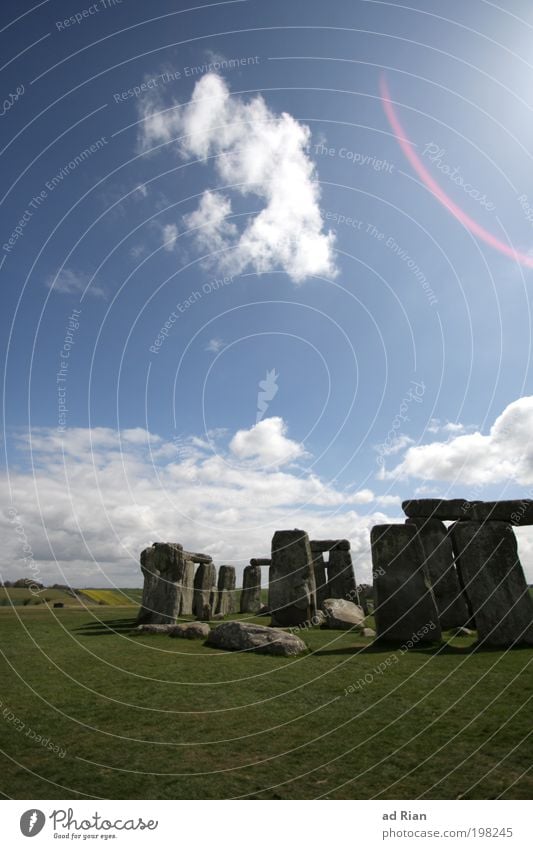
205, 591
163, 568
260, 561
190, 630
292, 589
493, 580
154, 628
342, 615
226, 591
404, 605
251, 590
187, 592
443, 577
437, 508
321, 576
329, 544
243, 636
369, 632
341, 575
516, 512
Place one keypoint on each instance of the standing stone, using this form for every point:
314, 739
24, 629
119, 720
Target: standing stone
187, 593
292, 589
494, 583
251, 589
163, 567
443, 577
321, 580
205, 591
404, 605
226, 591
341, 575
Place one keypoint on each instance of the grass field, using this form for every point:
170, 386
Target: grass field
151, 717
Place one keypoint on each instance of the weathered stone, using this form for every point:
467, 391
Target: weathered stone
154, 629
260, 561
450, 509
341, 575
342, 615
190, 630
292, 589
515, 512
226, 591
187, 592
369, 632
264, 610
251, 590
404, 605
163, 568
205, 591
443, 577
198, 558
330, 544
321, 579
494, 583
243, 636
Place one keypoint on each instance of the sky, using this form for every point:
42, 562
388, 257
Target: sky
264, 265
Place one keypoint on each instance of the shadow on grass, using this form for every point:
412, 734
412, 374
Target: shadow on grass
434, 648
100, 627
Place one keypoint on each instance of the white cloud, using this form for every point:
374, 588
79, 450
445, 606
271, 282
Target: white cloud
212, 232
215, 345
503, 455
258, 153
96, 497
169, 236
266, 443
70, 282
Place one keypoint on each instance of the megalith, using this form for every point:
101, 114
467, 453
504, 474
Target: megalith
251, 589
321, 577
205, 591
443, 577
341, 575
292, 589
226, 591
163, 568
493, 580
404, 605
188, 589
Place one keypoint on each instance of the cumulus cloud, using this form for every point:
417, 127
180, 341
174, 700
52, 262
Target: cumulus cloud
71, 282
169, 235
503, 455
257, 152
94, 498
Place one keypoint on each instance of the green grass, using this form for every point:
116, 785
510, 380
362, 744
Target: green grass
153, 717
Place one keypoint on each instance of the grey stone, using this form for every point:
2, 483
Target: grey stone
368, 632
341, 575
443, 577
190, 630
515, 512
154, 628
198, 558
244, 636
404, 605
342, 615
451, 509
226, 591
205, 591
292, 589
494, 583
321, 579
251, 590
260, 561
163, 568
187, 592
330, 544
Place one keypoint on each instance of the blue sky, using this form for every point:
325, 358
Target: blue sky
230, 303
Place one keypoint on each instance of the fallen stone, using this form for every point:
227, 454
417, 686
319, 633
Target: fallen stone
292, 589
404, 605
494, 583
368, 632
342, 615
443, 577
244, 636
190, 630
251, 590
154, 629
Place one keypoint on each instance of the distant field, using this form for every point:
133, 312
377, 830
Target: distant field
113, 597
153, 717
19, 596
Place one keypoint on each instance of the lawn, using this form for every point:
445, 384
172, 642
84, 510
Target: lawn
153, 717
